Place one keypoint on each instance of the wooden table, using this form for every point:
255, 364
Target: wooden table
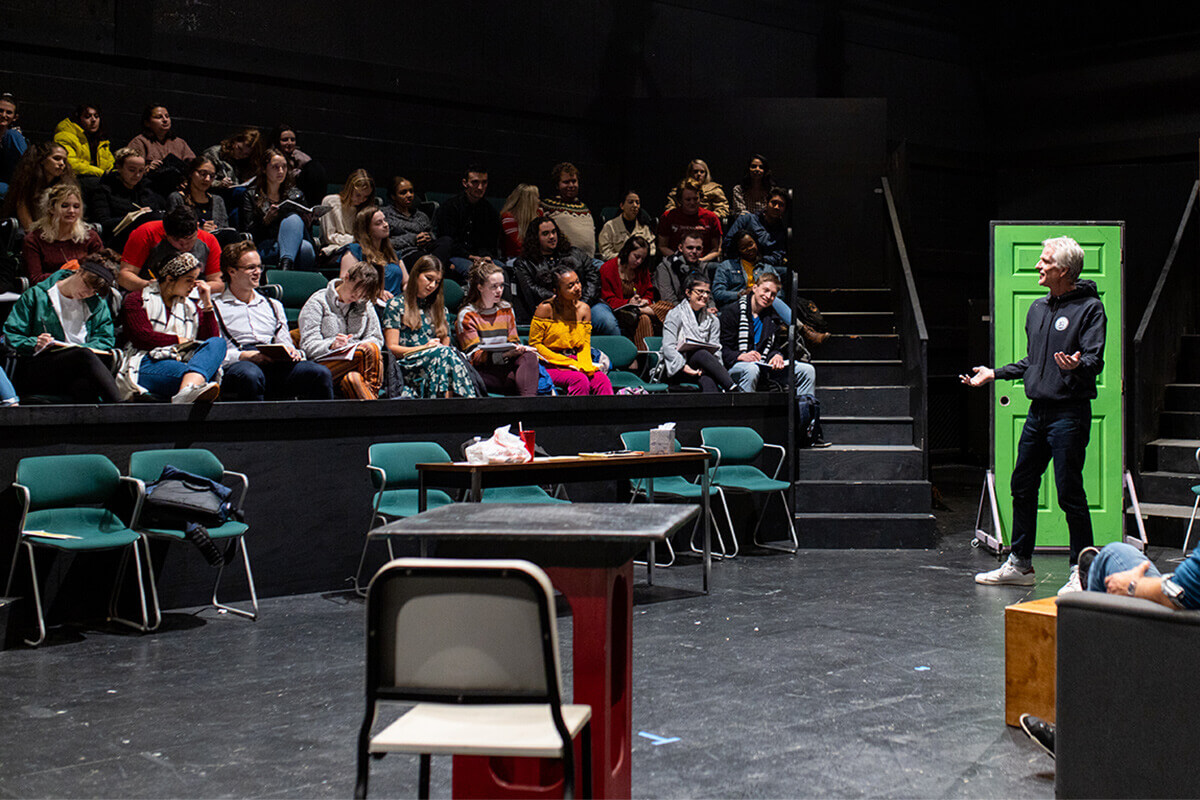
1030, 661
568, 469
587, 549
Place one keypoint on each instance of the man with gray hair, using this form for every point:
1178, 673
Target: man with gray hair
1065, 330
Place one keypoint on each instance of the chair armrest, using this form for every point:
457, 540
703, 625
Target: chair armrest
715, 452
382, 486
274, 291
782, 457
243, 480
139, 489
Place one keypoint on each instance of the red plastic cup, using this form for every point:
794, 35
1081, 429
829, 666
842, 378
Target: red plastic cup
528, 437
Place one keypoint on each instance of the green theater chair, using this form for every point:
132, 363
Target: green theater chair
736, 449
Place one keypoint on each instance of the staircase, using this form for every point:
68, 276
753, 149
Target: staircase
1165, 485
867, 490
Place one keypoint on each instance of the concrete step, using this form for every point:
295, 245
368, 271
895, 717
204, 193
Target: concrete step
882, 372
849, 531
1171, 455
1167, 487
860, 322
1174, 424
867, 430
1165, 523
872, 346
878, 401
849, 299
866, 462
871, 497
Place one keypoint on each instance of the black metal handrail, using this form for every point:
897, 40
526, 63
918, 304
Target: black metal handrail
1170, 312
914, 337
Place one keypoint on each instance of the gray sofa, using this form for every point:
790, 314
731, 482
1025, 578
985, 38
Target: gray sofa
1128, 698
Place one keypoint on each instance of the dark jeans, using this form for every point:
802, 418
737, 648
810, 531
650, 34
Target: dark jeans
1058, 430
74, 371
715, 375
304, 380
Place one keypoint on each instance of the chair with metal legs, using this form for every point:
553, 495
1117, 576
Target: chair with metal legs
393, 468
736, 450
146, 466
67, 506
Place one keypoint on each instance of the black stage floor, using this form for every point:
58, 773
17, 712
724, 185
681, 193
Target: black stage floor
833, 673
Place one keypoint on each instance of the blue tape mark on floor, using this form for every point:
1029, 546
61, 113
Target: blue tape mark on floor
656, 740
921, 669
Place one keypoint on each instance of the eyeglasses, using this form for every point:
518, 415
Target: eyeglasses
702, 292
203, 173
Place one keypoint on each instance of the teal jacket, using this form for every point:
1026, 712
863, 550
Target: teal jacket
34, 314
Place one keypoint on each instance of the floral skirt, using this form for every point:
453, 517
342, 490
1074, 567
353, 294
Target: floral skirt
433, 372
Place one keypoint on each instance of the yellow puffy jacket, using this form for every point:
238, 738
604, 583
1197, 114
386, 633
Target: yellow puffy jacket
79, 154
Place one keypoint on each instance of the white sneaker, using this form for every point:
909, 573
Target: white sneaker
1005, 575
197, 393
1072, 584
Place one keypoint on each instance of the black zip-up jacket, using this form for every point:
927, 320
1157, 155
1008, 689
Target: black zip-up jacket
1070, 323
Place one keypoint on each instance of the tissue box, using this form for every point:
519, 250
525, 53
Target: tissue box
662, 442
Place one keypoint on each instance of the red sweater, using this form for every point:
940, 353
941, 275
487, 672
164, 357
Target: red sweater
611, 290
42, 258
141, 333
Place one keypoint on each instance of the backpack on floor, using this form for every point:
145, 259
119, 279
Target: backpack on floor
808, 420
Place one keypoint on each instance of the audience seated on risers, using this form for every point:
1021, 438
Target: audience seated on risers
43, 167
372, 245
625, 285
12, 141
544, 250
411, 228
630, 222
689, 322
307, 172
248, 321
155, 243
123, 191
751, 194
521, 207
735, 277
337, 226
236, 159
209, 207
760, 358
417, 334
82, 135
769, 227
561, 332
174, 345
158, 140
340, 329
670, 277
712, 196
59, 235
689, 217
8, 394
279, 233
469, 224
63, 333
487, 321
574, 218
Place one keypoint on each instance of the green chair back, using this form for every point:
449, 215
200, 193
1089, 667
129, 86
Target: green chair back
60, 481
452, 295
654, 343
147, 465
297, 286
620, 350
399, 462
738, 445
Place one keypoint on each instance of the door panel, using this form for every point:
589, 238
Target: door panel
1015, 253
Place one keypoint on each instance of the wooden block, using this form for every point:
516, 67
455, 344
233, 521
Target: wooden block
1030, 634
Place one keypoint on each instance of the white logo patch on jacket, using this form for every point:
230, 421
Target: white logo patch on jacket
1061, 324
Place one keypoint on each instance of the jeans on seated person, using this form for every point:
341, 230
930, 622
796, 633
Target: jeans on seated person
747, 373
8, 395
162, 378
604, 321
783, 310
460, 268
1113, 558
291, 244
304, 380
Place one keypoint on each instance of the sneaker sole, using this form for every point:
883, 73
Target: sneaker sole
1033, 738
209, 394
982, 581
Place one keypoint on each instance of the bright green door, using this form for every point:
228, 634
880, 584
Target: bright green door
1016, 249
